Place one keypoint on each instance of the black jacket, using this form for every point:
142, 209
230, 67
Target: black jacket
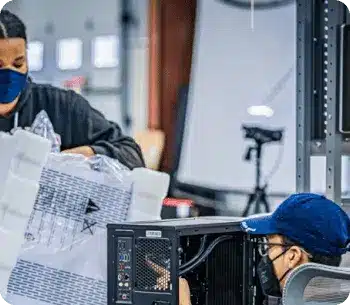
76, 122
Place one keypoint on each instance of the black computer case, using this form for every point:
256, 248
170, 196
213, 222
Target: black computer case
146, 259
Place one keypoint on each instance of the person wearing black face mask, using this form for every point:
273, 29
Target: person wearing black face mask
305, 228
278, 258
82, 129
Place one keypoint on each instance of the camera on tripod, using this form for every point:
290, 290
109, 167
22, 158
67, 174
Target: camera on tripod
261, 136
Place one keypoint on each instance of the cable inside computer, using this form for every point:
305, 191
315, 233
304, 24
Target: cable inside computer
214, 267
213, 255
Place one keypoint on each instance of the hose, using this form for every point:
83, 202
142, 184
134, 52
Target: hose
199, 253
205, 254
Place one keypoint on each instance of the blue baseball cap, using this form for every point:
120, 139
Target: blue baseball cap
312, 221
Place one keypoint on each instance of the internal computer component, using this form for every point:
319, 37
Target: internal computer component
146, 259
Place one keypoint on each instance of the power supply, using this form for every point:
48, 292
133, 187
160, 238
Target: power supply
146, 260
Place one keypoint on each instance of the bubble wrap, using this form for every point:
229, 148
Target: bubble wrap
42, 126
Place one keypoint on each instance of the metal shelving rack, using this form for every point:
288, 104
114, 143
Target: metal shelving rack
318, 58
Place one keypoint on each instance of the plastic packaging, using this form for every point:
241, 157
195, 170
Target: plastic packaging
42, 126
63, 261
23, 156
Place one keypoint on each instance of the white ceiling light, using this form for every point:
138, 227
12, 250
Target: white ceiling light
261, 110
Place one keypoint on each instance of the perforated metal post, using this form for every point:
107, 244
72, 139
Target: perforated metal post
304, 93
335, 14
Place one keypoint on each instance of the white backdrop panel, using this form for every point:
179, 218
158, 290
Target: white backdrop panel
235, 66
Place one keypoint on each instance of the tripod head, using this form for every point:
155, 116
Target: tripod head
262, 136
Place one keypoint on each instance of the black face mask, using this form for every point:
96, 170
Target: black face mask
270, 284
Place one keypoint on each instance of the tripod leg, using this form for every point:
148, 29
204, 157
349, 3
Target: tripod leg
251, 200
258, 201
265, 202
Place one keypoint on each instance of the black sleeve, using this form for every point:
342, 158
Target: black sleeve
105, 137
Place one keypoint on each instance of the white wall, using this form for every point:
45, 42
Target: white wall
235, 67
68, 18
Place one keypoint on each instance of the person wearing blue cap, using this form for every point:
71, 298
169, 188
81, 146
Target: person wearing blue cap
304, 228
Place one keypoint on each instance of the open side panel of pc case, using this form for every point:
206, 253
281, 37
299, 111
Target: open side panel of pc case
144, 266
227, 276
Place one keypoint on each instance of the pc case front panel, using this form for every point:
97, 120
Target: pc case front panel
141, 267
